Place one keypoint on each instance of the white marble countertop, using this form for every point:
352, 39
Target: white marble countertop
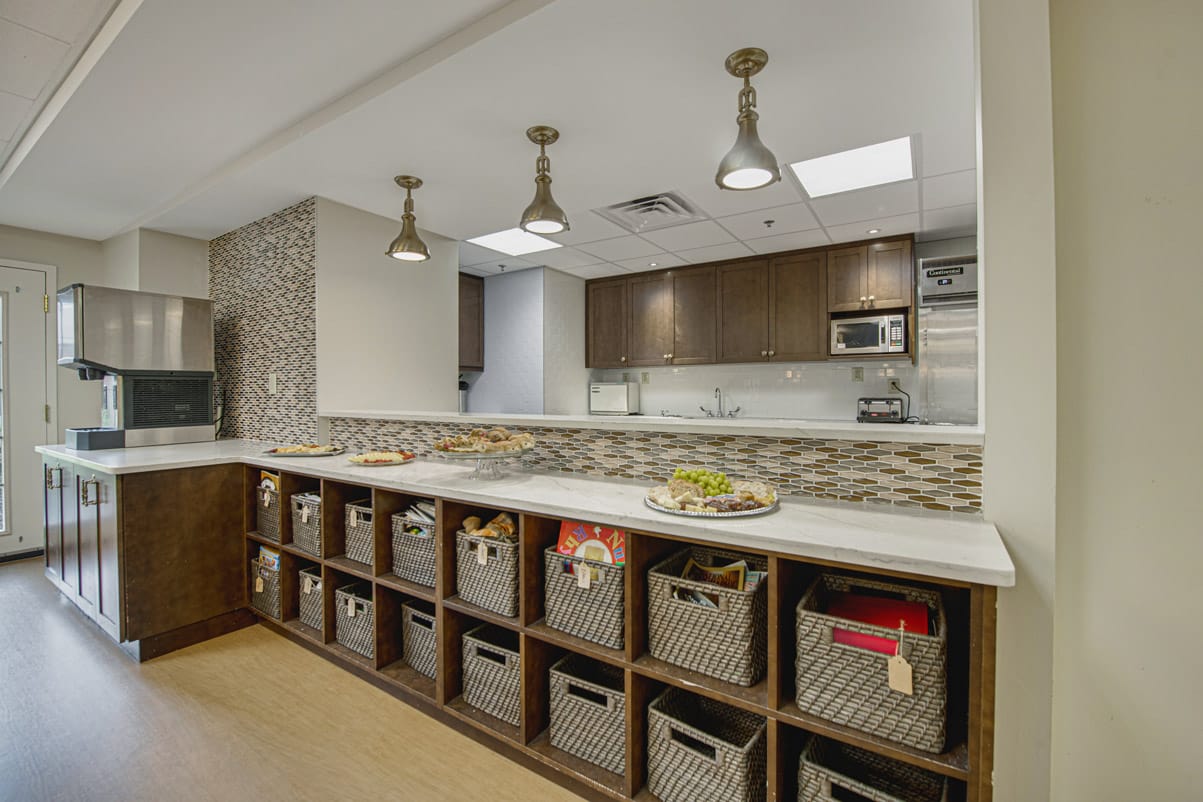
941, 545
767, 427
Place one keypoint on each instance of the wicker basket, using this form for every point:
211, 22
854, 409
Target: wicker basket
265, 588
588, 712
307, 524
850, 686
267, 518
493, 583
493, 672
728, 642
594, 613
419, 638
826, 766
311, 606
413, 554
700, 750
360, 536
353, 618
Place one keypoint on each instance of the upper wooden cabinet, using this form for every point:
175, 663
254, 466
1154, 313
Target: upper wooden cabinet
606, 321
876, 276
471, 322
798, 307
743, 311
650, 333
694, 323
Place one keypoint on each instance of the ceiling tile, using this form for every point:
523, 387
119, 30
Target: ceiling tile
953, 218
587, 226
596, 271
62, 19
789, 242
612, 250
724, 202
750, 225
28, 59
730, 250
873, 203
473, 254
888, 227
512, 265
690, 235
953, 189
656, 262
13, 110
562, 258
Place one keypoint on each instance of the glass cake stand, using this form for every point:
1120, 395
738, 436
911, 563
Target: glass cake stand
488, 464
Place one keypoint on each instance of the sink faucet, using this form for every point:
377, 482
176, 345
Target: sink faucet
718, 393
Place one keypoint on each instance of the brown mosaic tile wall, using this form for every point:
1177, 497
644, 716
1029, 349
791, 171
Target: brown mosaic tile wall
262, 282
938, 477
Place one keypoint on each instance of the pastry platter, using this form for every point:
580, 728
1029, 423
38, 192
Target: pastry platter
379, 459
699, 493
305, 451
716, 514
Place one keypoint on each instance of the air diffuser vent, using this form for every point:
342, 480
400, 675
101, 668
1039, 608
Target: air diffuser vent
653, 212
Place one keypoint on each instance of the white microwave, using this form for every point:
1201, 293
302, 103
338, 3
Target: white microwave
879, 334
614, 398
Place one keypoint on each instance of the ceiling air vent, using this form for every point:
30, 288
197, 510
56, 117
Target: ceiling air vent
653, 212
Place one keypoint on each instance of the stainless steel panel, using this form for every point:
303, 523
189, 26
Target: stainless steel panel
169, 436
947, 280
948, 364
122, 330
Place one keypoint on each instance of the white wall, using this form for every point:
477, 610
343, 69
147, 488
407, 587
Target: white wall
955, 246
512, 380
565, 377
120, 261
1127, 654
173, 265
387, 330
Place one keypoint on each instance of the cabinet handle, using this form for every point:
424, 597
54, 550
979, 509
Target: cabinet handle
670, 356
83, 492
764, 353
863, 299
772, 353
50, 485
622, 359
871, 300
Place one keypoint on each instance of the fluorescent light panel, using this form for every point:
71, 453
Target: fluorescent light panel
883, 163
515, 242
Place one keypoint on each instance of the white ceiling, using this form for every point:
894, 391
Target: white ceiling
201, 117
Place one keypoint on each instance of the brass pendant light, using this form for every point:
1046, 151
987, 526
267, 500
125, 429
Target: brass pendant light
543, 215
749, 164
408, 246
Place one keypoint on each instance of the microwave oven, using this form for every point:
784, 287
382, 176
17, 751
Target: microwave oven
613, 398
879, 334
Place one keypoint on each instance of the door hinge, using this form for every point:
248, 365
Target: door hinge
47, 412
45, 304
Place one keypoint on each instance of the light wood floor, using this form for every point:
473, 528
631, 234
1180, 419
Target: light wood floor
248, 716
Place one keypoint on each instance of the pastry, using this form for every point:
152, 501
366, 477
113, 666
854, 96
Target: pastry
471, 524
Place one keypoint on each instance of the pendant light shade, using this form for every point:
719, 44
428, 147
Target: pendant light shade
749, 164
408, 246
543, 215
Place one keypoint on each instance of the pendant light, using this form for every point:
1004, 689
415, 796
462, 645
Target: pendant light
408, 246
749, 164
544, 215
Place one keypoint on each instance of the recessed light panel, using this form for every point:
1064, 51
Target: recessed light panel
883, 163
515, 242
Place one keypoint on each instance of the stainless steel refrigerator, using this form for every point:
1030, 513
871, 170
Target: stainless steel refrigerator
948, 340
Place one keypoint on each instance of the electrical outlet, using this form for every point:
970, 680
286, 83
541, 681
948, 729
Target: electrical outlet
894, 386
626, 377
645, 377
858, 374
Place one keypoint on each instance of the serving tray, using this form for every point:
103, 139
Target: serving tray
271, 452
716, 514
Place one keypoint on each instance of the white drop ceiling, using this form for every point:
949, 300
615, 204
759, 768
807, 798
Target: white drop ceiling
201, 117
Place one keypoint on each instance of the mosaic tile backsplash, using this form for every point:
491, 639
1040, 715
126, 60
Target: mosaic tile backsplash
262, 282
937, 477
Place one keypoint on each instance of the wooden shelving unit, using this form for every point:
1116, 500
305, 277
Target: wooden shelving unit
970, 608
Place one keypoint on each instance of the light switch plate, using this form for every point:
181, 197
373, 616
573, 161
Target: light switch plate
858, 374
645, 377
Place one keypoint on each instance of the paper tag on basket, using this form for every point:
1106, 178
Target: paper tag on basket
898, 670
258, 584
482, 553
307, 586
354, 518
267, 499
584, 576
304, 513
350, 607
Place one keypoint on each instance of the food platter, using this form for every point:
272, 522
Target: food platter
358, 459
488, 463
716, 514
334, 452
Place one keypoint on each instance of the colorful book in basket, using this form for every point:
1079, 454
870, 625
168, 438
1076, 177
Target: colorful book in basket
269, 480
269, 558
892, 614
593, 542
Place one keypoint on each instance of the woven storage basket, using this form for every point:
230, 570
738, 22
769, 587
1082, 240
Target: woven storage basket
588, 712
594, 613
827, 766
413, 554
311, 606
357, 631
265, 597
729, 642
700, 750
360, 537
307, 525
419, 638
492, 585
850, 686
493, 672
267, 518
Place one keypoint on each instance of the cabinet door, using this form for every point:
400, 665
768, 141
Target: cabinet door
52, 514
86, 490
889, 275
846, 279
694, 316
69, 500
798, 308
606, 324
650, 335
108, 594
743, 311
471, 323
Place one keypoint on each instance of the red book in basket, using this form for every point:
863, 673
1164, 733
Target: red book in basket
888, 613
593, 542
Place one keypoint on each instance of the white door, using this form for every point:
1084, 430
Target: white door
23, 411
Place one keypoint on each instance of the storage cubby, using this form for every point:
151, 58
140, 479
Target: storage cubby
335, 580
450, 522
293, 593
386, 504
390, 642
452, 627
335, 497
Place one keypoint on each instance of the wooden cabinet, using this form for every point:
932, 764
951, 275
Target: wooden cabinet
100, 575
875, 276
650, 328
471, 322
694, 321
743, 311
798, 308
606, 321
52, 510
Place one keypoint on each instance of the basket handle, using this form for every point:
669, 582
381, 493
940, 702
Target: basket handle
700, 748
500, 658
720, 601
830, 787
901, 647
588, 695
422, 620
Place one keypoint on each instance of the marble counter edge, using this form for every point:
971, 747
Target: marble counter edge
762, 427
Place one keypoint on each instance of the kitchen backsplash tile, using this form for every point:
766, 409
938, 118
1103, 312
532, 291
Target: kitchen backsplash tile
935, 476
